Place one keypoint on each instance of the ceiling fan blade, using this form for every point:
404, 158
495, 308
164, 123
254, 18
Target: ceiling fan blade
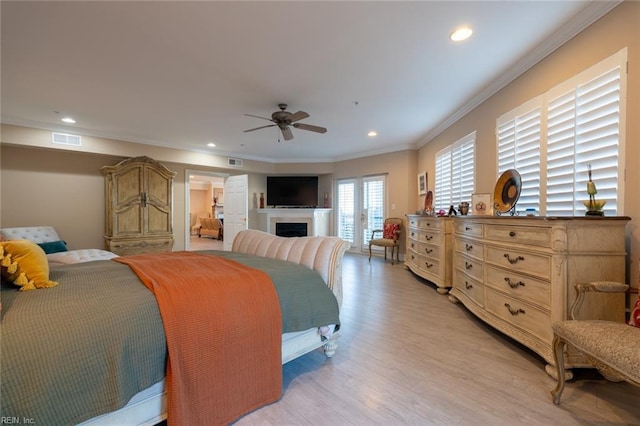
257, 116
310, 127
286, 132
300, 115
258, 128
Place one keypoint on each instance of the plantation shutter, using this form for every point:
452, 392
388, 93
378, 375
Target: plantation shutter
583, 132
455, 173
346, 213
519, 136
373, 203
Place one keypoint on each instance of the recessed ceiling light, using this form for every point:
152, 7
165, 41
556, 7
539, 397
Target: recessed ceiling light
461, 34
68, 120
211, 144
372, 133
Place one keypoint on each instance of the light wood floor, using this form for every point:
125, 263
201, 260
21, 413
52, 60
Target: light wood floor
407, 355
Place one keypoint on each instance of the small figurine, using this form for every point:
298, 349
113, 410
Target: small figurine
592, 191
594, 207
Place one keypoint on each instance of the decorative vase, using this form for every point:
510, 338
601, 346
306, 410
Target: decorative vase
262, 200
326, 200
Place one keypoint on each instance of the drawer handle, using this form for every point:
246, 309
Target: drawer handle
412, 257
428, 250
513, 284
512, 311
466, 228
413, 245
468, 265
428, 265
413, 234
513, 260
512, 234
428, 237
468, 247
428, 224
467, 286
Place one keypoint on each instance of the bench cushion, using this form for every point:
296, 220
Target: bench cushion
615, 344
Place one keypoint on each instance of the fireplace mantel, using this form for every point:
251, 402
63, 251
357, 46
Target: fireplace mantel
317, 220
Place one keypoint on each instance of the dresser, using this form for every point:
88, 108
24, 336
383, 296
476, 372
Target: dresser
518, 273
429, 249
138, 207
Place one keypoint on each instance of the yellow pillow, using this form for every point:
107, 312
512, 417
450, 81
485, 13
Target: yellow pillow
25, 264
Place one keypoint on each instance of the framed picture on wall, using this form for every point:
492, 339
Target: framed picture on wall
422, 183
481, 204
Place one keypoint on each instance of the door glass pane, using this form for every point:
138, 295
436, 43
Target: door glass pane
346, 210
373, 206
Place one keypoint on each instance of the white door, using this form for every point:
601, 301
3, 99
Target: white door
236, 207
361, 209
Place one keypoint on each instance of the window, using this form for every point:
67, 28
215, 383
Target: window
455, 173
561, 134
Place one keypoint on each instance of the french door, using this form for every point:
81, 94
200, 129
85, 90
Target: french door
361, 208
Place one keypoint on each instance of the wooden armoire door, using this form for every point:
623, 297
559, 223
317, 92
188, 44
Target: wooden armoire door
139, 206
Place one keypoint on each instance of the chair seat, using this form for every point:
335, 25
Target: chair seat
383, 242
613, 343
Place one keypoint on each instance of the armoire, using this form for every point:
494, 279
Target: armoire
139, 207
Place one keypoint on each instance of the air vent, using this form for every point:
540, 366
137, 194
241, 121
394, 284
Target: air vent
66, 139
235, 162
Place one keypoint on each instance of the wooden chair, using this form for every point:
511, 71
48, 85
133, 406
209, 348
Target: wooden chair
390, 237
611, 347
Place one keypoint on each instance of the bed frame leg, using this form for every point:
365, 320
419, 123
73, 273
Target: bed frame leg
330, 347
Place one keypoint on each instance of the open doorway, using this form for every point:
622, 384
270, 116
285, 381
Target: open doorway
204, 200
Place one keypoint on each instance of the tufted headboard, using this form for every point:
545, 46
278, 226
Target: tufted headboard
37, 234
322, 254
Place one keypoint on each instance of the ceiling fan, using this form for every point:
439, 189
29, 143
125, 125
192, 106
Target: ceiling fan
284, 120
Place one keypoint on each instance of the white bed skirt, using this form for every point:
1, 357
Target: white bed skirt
149, 406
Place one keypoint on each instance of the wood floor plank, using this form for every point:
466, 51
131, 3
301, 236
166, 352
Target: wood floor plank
407, 355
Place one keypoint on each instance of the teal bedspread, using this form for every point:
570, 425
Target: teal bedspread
85, 347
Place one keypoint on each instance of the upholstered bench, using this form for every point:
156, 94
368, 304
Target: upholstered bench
611, 347
53, 245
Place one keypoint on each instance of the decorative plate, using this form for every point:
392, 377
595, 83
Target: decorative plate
507, 191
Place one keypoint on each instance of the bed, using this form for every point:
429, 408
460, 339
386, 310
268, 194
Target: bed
138, 395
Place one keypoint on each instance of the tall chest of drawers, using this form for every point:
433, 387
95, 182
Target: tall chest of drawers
518, 273
429, 249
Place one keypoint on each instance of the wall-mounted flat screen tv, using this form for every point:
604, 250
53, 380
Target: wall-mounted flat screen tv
292, 191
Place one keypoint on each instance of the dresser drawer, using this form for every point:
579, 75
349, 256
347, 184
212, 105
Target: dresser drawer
431, 223
538, 265
469, 266
470, 248
428, 264
428, 237
470, 287
429, 250
520, 314
469, 229
528, 235
520, 286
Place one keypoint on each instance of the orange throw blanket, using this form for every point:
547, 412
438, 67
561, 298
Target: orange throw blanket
224, 335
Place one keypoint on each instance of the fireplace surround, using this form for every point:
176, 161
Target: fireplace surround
316, 221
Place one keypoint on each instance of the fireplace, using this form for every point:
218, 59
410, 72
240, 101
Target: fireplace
294, 222
291, 229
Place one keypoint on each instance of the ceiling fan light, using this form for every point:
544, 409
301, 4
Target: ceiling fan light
372, 133
68, 120
211, 144
461, 34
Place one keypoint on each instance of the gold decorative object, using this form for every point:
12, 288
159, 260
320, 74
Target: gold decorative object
594, 207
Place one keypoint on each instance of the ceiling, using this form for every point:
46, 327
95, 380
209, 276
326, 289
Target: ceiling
182, 74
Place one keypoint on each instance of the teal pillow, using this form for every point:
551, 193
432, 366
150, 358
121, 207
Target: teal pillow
53, 247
